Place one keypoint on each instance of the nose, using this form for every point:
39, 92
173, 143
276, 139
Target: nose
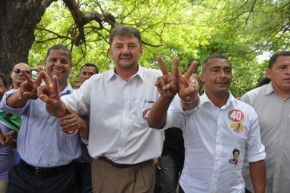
288, 69
58, 62
222, 73
126, 49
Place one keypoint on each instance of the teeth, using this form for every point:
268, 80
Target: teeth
57, 70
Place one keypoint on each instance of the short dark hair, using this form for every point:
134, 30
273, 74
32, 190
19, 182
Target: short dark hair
91, 65
121, 30
4, 79
213, 56
236, 150
263, 81
60, 47
275, 56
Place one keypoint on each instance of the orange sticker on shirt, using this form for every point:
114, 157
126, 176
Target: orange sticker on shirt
237, 127
236, 116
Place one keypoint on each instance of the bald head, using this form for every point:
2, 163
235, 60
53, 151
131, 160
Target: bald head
16, 76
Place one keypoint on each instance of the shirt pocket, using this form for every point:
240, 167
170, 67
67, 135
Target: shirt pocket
141, 114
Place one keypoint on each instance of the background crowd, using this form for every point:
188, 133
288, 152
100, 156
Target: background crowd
132, 129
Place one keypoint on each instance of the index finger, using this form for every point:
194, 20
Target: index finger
162, 66
190, 70
26, 75
40, 76
175, 63
45, 77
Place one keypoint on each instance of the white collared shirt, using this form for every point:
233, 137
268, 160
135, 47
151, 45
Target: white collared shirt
274, 116
118, 129
210, 136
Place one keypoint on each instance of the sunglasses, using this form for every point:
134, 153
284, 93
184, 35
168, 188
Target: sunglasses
17, 71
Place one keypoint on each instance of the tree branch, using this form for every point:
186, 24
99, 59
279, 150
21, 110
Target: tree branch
82, 19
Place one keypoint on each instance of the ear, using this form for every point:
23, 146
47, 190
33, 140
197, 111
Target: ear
202, 77
269, 73
109, 52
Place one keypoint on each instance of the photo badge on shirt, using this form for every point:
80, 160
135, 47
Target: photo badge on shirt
235, 156
236, 116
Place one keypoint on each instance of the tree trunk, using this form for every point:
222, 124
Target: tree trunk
18, 20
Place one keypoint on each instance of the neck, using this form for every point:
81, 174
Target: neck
15, 85
126, 74
61, 87
218, 100
284, 94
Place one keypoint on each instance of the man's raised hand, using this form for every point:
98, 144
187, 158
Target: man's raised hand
28, 89
167, 84
188, 86
49, 93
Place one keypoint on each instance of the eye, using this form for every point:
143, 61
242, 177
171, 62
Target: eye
282, 67
215, 70
132, 46
118, 46
64, 61
228, 71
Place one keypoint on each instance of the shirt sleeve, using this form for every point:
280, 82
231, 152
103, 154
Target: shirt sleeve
4, 106
255, 148
175, 115
79, 100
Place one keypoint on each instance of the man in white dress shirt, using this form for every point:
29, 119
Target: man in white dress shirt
217, 127
121, 144
272, 104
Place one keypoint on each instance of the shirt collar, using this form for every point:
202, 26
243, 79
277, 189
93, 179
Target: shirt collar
67, 90
204, 99
269, 89
140, 73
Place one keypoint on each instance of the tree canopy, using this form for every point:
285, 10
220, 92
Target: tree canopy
188, 29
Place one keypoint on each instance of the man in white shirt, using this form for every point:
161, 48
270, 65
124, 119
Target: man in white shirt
219, 126
117, 101
272, 102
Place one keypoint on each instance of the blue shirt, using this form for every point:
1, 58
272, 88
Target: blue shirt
41, 142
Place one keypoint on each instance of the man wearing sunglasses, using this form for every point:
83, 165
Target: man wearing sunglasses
16, 75
16, 79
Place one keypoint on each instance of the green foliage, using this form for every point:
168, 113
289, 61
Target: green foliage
190, 30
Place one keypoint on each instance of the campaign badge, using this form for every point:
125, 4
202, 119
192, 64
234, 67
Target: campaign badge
146, 113
236, 116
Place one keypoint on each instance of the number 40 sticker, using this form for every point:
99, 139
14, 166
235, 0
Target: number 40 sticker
236, 115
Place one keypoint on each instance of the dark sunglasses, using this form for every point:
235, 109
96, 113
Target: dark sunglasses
17, 71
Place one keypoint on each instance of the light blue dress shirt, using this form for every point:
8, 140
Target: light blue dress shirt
41, 142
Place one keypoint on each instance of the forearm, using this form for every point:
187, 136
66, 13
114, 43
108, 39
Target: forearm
158, 113
58, 109
15, 100
84, 130
258, 176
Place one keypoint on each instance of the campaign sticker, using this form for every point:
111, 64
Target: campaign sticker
146, 113
237, 127
236, 115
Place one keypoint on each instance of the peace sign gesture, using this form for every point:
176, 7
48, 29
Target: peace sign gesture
167, 84
170, 83
28, 89
49, 93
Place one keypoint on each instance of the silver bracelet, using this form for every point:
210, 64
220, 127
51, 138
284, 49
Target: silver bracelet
191, 101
